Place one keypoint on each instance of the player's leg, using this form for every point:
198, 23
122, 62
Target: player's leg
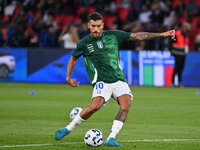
123, 96
182, 63
175, 72
124, 101
95, 105
179, 68
100, 96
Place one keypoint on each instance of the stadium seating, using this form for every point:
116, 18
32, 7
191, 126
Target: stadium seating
58, 19
90, 9
123, 13
4, 18
66, 20
109, 20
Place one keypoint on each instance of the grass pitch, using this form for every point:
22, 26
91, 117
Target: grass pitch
168, 118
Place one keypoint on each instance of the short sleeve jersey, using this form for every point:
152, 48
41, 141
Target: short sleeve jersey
101, 56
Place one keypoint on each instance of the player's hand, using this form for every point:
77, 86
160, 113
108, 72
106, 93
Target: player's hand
72, 82
171, 34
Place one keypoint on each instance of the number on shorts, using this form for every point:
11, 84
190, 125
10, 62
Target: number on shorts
99, 86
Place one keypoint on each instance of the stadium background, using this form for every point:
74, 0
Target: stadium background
163, 117
35, 26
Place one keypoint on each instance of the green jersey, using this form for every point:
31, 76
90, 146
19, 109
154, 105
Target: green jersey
101, 56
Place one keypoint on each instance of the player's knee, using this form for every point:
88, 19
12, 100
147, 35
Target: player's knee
125, 105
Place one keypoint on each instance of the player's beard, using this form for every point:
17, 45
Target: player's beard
96, 34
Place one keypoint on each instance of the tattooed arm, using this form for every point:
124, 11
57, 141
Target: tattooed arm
141, 36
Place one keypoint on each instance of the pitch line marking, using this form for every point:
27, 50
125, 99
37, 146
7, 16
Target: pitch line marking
68, 143
160, 140
45, 144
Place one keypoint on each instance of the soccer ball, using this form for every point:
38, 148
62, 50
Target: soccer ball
74, 112
93, 137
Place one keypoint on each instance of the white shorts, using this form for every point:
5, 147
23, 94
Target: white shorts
106, 90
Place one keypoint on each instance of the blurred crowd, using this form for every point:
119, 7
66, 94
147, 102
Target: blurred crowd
61, 23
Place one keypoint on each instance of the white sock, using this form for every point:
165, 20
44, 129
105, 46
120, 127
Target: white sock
116, 127
76, 121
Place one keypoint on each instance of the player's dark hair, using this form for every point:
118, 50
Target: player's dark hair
95, 16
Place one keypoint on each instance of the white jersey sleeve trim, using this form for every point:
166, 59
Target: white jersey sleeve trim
95, 75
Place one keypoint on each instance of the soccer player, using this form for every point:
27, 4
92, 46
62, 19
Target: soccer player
101, 59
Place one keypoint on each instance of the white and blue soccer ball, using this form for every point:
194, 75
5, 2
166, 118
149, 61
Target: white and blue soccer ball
93, 137
75, 111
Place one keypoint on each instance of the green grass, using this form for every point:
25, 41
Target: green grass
156, 113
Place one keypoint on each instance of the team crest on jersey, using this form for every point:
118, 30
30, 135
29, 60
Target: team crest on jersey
100, 44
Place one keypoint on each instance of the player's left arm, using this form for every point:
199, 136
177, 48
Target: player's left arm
141, 36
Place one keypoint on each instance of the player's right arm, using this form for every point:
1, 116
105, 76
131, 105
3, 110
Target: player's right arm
70, 68
72, 62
